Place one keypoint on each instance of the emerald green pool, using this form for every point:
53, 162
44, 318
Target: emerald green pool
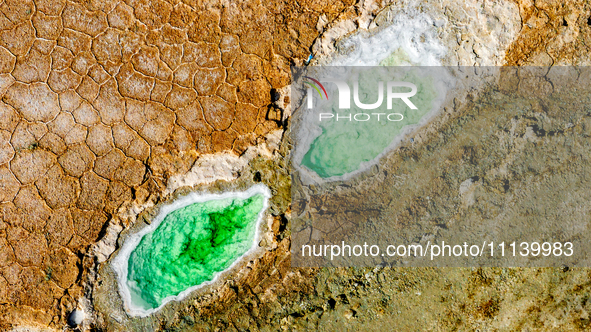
190, 246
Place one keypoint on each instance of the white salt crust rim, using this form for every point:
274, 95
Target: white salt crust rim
120, 262
403, 33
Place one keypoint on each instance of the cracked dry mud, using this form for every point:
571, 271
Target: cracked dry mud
103, 101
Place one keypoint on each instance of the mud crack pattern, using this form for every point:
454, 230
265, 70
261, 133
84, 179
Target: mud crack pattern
101, 101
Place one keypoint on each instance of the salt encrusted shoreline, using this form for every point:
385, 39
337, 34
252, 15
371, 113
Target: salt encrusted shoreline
425, 35
120, 262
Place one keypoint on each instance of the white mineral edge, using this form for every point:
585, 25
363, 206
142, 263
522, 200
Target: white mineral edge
404, 33
418, 34
120, 263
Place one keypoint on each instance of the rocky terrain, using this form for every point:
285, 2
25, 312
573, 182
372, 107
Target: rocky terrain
111, 108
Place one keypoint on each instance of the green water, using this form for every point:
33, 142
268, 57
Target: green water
397, 58
344, 145
190, 246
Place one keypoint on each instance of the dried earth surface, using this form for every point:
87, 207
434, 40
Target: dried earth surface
105, 103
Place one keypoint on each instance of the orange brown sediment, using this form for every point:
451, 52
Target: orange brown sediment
101, 101
552, 33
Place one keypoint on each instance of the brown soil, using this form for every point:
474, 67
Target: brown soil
101, 101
